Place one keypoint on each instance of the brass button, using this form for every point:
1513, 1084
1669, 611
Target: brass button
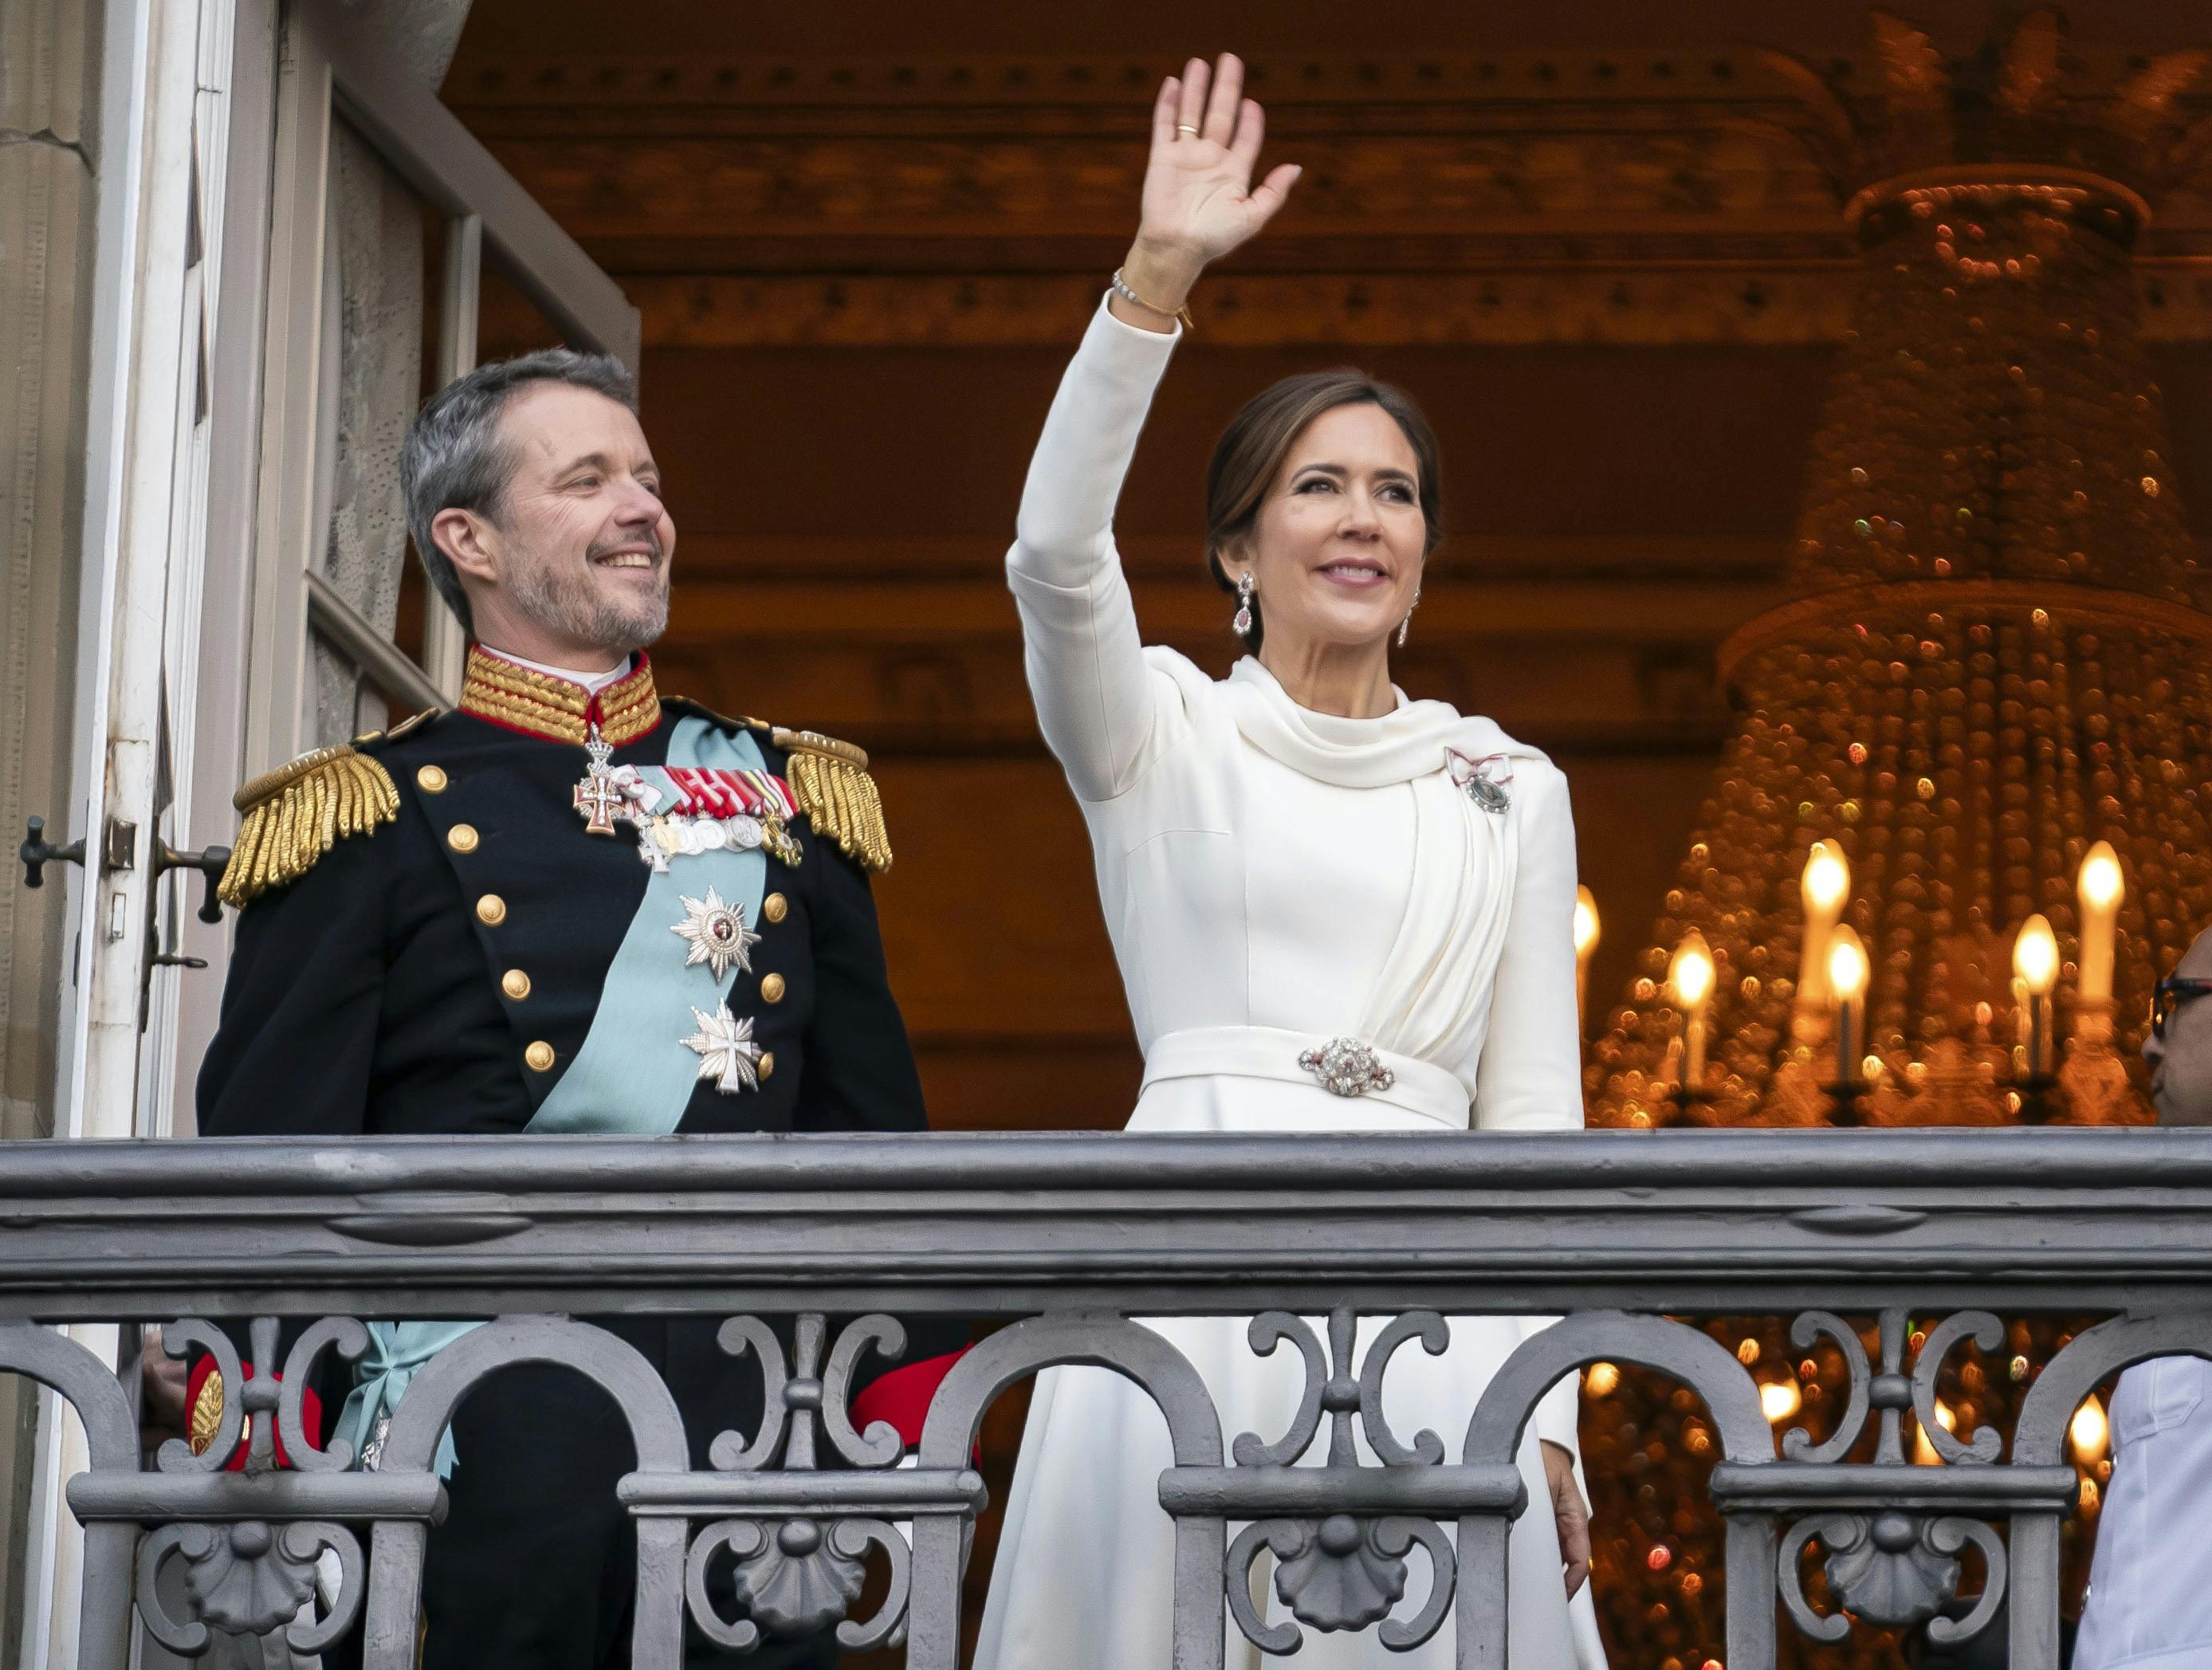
462, 837
430, 779
767, 1062
515, 984
539, 1055
491, 910
771, 988
776, 908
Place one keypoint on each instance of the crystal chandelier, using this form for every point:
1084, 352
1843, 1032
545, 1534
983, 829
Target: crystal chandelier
1960, 826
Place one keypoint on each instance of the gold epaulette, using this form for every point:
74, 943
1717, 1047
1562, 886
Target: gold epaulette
206, 1420
296, 814
831, 783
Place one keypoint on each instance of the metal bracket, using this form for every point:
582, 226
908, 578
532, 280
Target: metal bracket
210, 862
37, 852
119, 845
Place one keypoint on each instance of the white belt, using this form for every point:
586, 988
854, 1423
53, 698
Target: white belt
1347, 1066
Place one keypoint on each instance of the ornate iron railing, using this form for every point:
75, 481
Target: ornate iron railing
1067, 1239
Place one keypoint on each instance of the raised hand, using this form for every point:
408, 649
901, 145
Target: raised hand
1199, 202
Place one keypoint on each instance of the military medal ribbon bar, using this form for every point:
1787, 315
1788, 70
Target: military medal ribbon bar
684, 810
719, 791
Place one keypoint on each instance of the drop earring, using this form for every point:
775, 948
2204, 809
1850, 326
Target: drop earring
1405, 626
1242, 624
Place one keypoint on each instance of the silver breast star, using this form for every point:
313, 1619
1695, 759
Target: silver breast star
728, 1053
717, 934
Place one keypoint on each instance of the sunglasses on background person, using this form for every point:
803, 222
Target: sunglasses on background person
2169, 995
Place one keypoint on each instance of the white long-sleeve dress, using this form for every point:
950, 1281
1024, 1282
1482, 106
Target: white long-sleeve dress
1274, 879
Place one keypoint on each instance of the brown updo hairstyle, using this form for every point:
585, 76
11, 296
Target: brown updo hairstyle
1252, 449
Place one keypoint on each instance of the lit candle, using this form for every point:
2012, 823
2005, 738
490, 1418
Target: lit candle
2100, 889
1824, 886
1847, 971
1586, 936
2035, 967
1924, 1447
1690, 987
2090, 1432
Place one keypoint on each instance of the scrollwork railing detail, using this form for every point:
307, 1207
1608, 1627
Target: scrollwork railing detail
1893, 1530
1336, 1570
256, 1548
1061, 1242
800, 1574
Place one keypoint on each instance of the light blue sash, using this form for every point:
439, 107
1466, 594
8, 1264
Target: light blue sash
633, 1075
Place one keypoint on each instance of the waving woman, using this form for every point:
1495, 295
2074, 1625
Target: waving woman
1336, 909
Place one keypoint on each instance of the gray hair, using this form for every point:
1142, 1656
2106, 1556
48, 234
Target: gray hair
455, 458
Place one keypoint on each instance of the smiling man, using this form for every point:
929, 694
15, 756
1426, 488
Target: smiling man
569, 905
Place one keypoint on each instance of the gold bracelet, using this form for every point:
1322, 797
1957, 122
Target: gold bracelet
1182, 313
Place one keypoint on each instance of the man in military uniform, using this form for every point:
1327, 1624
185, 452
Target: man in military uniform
570, 904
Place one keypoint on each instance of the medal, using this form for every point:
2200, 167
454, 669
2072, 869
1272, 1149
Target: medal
597, 797
780, 840
681, 811
717, 933
674, 835
372, 1453
728, 1053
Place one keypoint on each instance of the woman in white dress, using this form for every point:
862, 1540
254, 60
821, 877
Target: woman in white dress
1295, 855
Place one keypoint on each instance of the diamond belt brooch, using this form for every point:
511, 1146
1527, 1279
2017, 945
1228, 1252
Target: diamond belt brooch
1345, 1067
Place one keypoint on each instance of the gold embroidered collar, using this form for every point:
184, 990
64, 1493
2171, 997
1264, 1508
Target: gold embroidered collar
540, 704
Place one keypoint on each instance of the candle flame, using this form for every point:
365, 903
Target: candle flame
1847, 965
2035, 956
1923, 1448
2089, 1431
1827, 880
1586, 923
1689, 975
2101, 886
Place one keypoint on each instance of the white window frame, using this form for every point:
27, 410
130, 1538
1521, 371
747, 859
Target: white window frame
333, 67
198, 591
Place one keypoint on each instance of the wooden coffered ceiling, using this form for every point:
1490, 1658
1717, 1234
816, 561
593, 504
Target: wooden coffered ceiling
1456, 191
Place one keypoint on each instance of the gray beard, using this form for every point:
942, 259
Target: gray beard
565, 604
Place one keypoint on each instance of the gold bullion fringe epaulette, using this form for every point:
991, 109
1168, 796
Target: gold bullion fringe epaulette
207, 1413
296, 814
830, 783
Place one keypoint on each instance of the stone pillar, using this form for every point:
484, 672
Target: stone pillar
49, 56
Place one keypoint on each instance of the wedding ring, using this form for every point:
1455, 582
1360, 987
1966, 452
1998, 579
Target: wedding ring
1185, 127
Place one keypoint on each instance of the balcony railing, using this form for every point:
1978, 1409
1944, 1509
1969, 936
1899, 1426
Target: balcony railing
1067, 1239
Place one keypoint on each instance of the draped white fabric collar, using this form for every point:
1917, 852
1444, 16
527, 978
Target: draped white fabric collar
1359, 753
